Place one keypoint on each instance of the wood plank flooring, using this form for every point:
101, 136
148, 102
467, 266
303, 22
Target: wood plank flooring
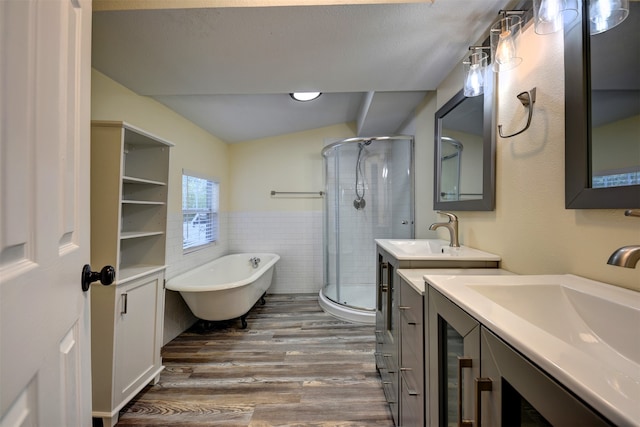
293, 366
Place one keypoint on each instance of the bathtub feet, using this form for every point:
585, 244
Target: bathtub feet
262, 300
243, 319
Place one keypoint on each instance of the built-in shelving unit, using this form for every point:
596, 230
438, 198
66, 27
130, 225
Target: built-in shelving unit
129, 190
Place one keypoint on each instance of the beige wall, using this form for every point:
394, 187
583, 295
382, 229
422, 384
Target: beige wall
289, 162
530, 227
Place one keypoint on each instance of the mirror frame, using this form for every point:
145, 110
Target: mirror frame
577, 82
487, 202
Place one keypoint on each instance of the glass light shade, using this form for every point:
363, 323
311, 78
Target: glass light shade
550, 16
305, 96
606, 14
474, 74
504, 37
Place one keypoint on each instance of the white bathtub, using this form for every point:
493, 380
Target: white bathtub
227, 287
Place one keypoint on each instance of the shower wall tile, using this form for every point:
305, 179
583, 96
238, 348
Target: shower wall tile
295, 236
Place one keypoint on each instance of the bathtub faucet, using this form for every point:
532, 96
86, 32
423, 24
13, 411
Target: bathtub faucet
254, 261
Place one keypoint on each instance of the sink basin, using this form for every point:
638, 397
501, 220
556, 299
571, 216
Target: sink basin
432, 249
415, 247
582, 332
571, 315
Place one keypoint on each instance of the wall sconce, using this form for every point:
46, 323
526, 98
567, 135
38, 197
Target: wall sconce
527, 99
503, 35
606, 14
550, 16
475, 68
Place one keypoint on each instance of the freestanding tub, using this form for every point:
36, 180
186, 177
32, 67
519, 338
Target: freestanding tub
226, 288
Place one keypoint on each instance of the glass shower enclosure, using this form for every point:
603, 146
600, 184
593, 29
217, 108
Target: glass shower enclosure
369, 193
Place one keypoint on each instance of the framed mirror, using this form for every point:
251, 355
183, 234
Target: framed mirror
465, 153
602, 113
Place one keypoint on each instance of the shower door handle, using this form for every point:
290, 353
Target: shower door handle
405, 222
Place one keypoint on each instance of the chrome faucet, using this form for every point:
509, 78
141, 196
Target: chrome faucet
254, 261
452, 226
626, 256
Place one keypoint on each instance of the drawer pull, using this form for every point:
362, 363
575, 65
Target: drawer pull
410, 391
404, 307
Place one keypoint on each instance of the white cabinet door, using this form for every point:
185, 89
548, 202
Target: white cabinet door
44, 212
136, 352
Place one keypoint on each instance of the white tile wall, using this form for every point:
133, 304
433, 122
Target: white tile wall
295, 236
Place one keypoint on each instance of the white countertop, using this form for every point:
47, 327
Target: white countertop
583, 333
432, 249
415, 276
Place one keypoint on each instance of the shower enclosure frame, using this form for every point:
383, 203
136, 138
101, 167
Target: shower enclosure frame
335, 306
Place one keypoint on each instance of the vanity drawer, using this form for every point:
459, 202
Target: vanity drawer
412, 400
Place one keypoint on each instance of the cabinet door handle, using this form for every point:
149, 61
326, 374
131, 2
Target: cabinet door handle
482, 384
125, 299
463, 362
383, 286
404, 307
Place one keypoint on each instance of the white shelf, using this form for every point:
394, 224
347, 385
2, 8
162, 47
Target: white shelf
133, 180
137, 234
142, 202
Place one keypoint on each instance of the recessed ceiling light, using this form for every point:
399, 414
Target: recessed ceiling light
305, 96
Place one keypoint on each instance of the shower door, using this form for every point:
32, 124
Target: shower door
369, 195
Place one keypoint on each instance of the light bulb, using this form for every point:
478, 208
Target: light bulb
506, 50
474, 83
600, 12
607, 14
549, 10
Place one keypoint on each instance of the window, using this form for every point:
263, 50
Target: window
200, 201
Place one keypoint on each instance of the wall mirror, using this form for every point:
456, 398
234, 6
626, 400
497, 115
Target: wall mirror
465, 153
602, 89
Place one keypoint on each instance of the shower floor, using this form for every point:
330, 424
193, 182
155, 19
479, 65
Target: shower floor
360, 296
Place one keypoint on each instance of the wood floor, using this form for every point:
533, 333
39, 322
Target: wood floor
293, 366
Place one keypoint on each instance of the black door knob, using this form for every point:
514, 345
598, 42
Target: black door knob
106, 276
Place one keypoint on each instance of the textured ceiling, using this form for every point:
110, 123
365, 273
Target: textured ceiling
229, 70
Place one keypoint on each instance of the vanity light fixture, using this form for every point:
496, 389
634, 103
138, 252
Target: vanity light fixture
504, 35
475, 68
606, 14
305, 96
550, 16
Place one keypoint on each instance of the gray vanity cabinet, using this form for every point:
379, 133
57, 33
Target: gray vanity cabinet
386, 353
476, 378
400, 332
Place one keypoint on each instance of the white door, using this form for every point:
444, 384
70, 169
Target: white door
45, 66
